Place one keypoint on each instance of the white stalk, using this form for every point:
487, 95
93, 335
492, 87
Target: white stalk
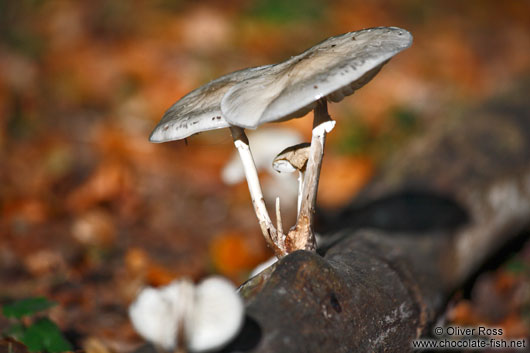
301, 175
185, 309
251, 174
279, 225
301, 235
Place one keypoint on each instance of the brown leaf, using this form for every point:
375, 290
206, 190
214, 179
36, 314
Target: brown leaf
107, 182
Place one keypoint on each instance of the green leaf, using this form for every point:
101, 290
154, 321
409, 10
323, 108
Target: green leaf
282, 11
45, 335
32, 339
516, 266
405, 118
26, 307
354, 139
15, 331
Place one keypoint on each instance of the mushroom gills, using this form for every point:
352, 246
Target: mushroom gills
338, 95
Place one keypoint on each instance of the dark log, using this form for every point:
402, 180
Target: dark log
378, 287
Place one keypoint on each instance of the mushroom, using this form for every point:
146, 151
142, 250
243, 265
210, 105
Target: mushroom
248, 98
217, 315
291, 159
199, 318
329, 71
153, 315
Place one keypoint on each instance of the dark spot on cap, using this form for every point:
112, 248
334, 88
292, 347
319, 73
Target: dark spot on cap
333, 45
315, 86
213, 118
353, 38
218, 117
165, 127
334, 302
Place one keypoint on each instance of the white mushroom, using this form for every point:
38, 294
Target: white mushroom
198, 318
217, 315
248, 98
153, 315
326, 72
292, 159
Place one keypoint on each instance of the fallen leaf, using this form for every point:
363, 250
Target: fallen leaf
342, 177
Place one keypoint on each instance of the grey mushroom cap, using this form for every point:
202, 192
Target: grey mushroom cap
333, 69
200, 109
250, 97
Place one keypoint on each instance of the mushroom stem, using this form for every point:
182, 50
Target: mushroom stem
301, 176
279, 225
185, 310
301, 235
272, 236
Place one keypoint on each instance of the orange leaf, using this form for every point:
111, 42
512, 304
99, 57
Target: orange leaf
341, 178
232, 254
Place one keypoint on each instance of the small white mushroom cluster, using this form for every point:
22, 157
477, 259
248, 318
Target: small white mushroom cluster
181, 315
248, 98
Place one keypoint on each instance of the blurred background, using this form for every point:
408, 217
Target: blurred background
90, 211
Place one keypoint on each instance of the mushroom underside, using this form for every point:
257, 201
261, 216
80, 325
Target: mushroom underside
337, 95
